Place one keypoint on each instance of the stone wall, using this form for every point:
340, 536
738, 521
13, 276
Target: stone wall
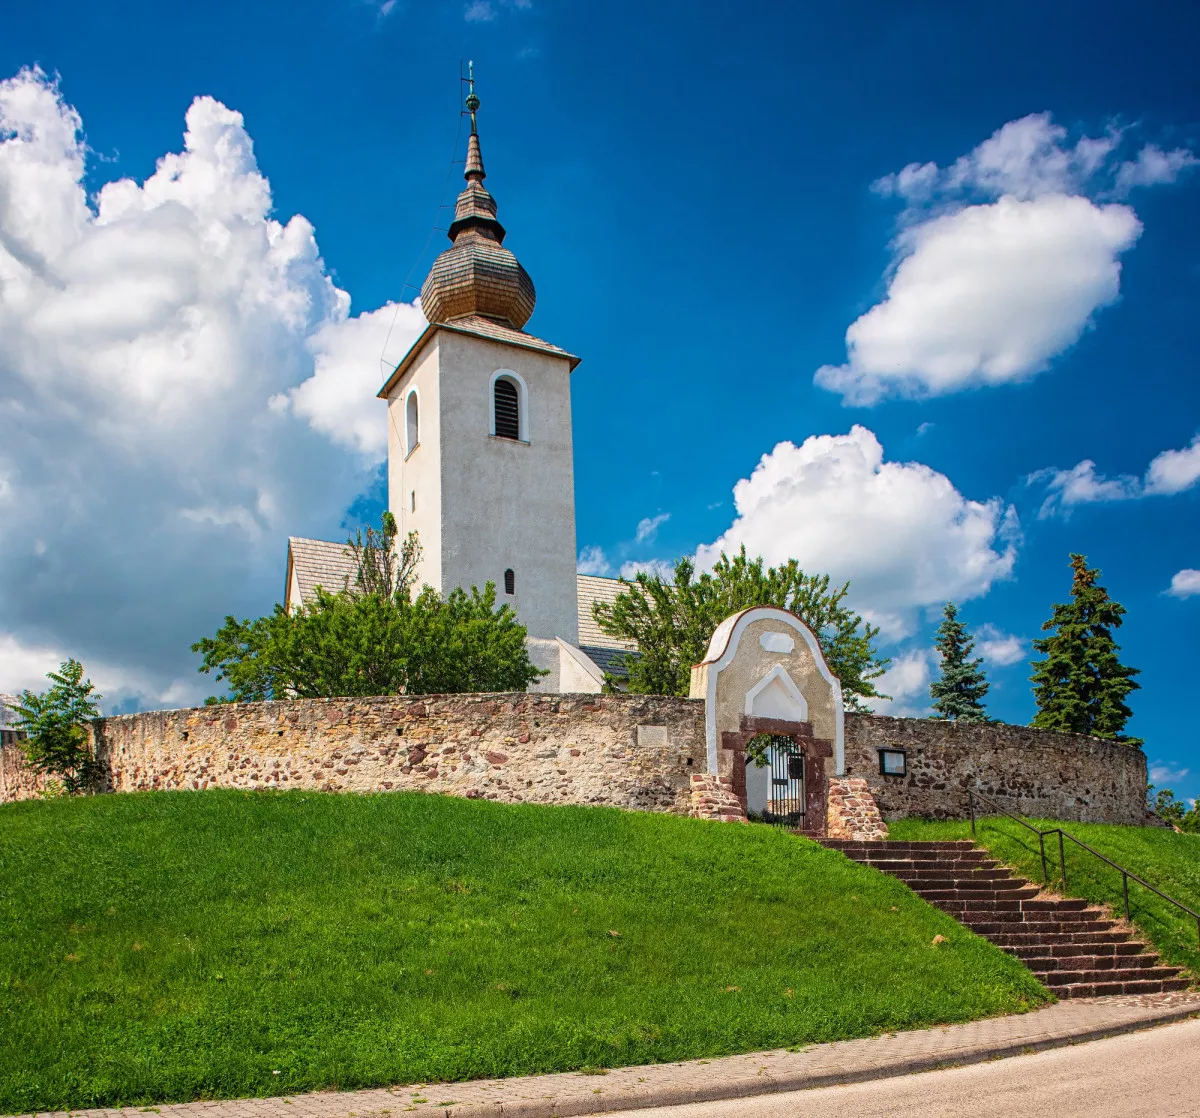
631, 751
623, 750
1032, 772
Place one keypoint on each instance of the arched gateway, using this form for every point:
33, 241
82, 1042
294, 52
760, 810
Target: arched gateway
766, 686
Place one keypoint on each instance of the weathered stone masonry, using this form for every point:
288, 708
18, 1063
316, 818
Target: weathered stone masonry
626, 751
630, 751
1032, 772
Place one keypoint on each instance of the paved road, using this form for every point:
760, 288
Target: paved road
1152, 1074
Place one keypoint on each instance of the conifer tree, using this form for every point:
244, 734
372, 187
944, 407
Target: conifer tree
959, 690
1081, 685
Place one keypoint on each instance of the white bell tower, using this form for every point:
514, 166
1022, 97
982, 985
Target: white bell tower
480, 460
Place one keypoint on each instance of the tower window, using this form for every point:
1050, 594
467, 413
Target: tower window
412, 423
508, 409
510, 582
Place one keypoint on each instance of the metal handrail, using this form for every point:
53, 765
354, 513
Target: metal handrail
1126, 875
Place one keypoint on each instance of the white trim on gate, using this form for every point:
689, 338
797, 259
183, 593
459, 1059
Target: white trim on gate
722, 649
789, 685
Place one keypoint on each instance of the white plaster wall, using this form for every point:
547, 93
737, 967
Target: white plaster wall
419, 471
757, 784
506, 503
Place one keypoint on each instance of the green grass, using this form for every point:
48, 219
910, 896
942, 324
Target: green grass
168, 946
1167, 860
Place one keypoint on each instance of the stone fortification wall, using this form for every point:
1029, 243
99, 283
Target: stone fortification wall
623, 750
629, 751
1032, 772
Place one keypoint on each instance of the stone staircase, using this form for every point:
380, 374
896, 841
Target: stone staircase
1073, 948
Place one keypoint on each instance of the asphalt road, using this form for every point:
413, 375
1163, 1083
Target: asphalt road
1151, 1074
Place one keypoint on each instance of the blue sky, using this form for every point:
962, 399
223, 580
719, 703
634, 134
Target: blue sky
708, 197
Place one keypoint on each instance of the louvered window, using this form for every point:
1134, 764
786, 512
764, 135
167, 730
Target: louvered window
508, 410
510, 582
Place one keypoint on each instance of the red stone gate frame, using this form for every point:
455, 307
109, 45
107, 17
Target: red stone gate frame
764, 674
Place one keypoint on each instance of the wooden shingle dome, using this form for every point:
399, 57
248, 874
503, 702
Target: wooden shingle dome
477, 275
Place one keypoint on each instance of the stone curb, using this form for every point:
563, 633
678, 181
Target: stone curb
572, 1094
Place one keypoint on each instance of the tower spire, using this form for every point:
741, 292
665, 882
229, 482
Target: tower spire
477, 275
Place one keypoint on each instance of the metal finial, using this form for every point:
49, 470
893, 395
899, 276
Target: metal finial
472, 99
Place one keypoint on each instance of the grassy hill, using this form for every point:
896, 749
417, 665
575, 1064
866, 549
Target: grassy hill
168, 946
1167, 860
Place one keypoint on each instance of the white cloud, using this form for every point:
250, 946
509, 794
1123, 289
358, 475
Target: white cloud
1152, 167
593, 561
907, 682
648, 526
1185, 583
176, 368
485, 11
660, 567
985, 296
1172, 471
998, 647
1162, 773
350, 364
900, 532
1002, 262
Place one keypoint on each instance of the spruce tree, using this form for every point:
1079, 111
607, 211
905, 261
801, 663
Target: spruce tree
1081, 685
959, 690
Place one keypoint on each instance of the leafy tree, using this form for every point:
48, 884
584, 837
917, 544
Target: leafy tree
673, 619
56, 724
960, 687
373, 638
1081, 685
1174, 811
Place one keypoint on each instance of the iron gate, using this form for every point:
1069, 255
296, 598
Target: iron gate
785, 788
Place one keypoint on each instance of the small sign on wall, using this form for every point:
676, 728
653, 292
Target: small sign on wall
893, 762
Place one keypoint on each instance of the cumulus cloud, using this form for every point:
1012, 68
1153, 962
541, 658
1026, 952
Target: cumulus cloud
593, 561
170, 364
661, 567
1171, 472
1163, 773
998, 647
1001, 264
900, 532
906, 682
648, 527
1185, 583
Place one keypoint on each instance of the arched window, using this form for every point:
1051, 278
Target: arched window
510, 582
507, 401
412, 423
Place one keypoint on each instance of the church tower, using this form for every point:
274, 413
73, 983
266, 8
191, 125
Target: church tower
479, 429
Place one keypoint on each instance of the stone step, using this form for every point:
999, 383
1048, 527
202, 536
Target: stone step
1018, 937
1050, 947
1106, 989
1010, 899
903, 844
991, 927
1054, 979
952, 877
978, 885
1123, 963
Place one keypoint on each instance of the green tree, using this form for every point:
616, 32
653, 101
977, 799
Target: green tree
373, 638
1174, 811
55, 722
1081, 685
958, 691
673, 619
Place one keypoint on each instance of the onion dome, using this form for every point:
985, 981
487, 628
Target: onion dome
477, 275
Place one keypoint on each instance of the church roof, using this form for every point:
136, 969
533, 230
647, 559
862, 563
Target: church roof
480, 327
331, 565
318, 563
477, 274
